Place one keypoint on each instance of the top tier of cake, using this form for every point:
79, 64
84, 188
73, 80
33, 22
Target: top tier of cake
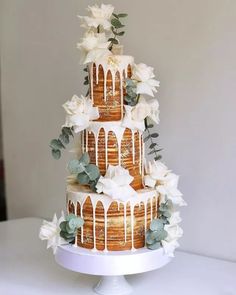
107, 78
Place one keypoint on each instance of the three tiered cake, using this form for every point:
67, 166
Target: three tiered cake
116, 200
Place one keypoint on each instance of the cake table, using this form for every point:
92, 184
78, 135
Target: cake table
112, 266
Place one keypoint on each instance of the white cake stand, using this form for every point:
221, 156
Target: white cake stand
112, 266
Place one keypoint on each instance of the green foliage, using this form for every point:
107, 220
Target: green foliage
70, 226
149, 137
57, 145
116, 26
157, 231
86, 173
131, 97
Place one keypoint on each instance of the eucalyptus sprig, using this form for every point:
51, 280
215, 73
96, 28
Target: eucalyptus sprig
131, 96
157, 231
116, 28
150, 137
57, 145
86, 173
70, 226
86, 79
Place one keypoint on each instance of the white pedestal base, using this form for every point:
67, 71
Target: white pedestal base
113, 285
111, 265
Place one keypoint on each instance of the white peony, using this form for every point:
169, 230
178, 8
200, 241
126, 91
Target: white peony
50, 231
134, 116
116, 183
80, 112
169, 187
143, 74
99, 16
169, 247
93, 47
155, 171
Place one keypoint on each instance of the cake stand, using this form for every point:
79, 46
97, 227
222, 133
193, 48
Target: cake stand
112, 266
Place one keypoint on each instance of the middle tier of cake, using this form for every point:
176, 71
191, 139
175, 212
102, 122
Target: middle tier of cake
111, 143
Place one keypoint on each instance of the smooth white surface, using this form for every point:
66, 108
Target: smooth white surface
113, 285
190, 43
110, 263
27, 268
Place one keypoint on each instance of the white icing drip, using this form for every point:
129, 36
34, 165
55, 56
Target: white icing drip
86, 135
140, 152
91, 81
121, 95
125, 225
132, 227
96, 147
106, 152
133, 146
82, 227
105, 231
97, 72
80, 194
76, 236
82, 140
105, 87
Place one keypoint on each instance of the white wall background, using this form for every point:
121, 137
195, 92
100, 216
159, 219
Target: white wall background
192, 45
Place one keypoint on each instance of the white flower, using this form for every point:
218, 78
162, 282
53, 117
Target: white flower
80, 112
175, 218
134, 116
99, 16
146, 84
94, 46
174, 232
50, 231
169, 187
169, 247
116, 183
155, 171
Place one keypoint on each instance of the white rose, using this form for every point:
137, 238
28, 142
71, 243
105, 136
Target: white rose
50, 231
143, 74
169, 187
175, 218
99, 16
169, 247
94, 46
174, 232
116, 183
134, 116
80, 112
155, 171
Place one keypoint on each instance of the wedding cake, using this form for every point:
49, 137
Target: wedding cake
116, 200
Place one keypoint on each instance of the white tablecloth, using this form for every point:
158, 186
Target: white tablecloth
27, 268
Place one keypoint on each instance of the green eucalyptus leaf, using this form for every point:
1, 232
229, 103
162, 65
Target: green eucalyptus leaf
70, 229
147, 138
64, 138
157, 158
154, 135
150, 126
167, 214
122, 15
92, 171
85, 159
63, 225
83, 178
120, 33
68, 131
70, 216
115, 15
113, 40
156, 224
56, 144
56, 154
152, 145
74, 166
154, 246
116, 23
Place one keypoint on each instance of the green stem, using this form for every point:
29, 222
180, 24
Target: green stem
149, 134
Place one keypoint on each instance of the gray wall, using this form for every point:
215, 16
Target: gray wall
191, 44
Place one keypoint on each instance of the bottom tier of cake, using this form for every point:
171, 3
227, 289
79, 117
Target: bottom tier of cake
111, 225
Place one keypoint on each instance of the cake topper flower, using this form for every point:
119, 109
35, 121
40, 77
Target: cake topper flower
144, 76
100, 17
135, 115
80, 112
50, 231
116, 183
94, 46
